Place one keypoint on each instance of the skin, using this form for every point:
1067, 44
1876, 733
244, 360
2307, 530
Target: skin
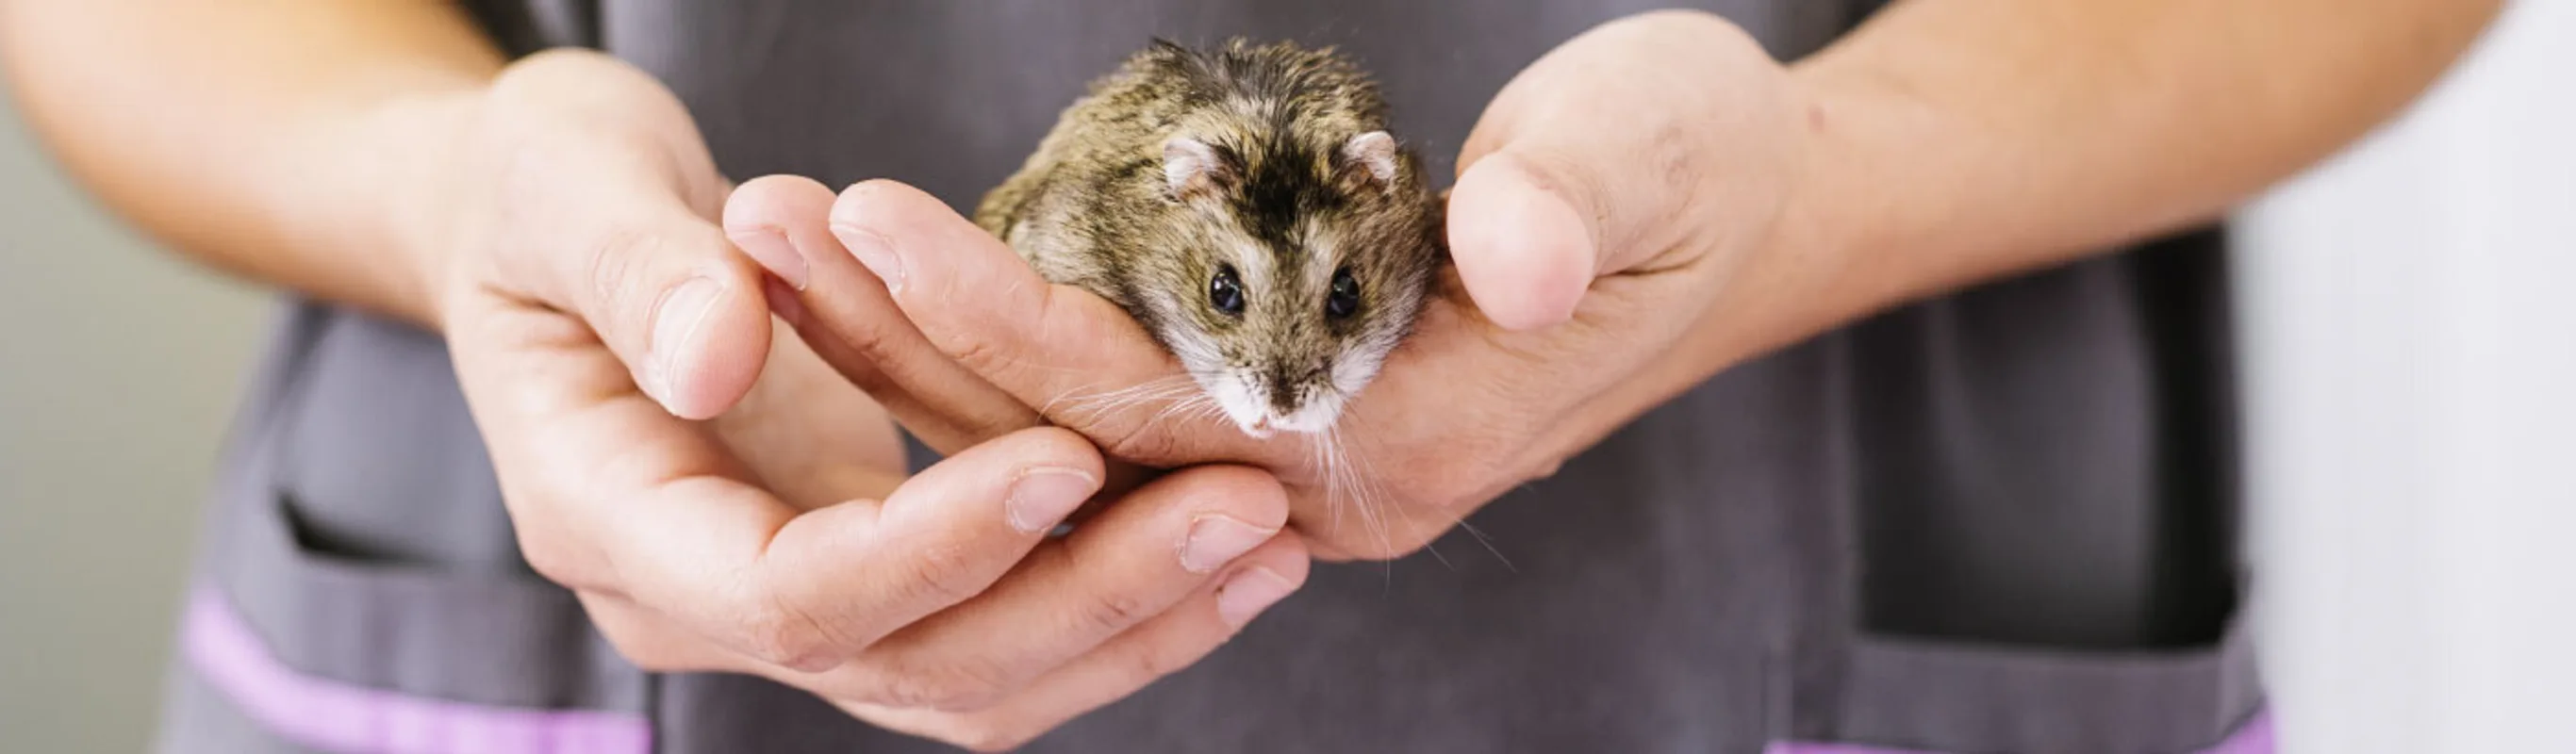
718, 497
1652, 202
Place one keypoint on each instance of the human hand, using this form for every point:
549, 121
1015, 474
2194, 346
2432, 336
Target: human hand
1620, 231
745, 510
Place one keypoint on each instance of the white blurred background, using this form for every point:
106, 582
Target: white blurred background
119, 366
2411, 337
2410, 340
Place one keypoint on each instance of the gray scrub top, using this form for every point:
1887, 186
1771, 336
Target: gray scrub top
1999, 521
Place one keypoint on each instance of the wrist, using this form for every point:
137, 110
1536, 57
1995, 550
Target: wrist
1877, 193
431, 139
379, 187
1880, 208
1836, 245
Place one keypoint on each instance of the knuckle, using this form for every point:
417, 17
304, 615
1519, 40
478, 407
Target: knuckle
1141, 441
1154, 662
1112, 612
873, 339
780, 635
944, 574
979, 355
610, 259
609, 269
1669, 155
993, 340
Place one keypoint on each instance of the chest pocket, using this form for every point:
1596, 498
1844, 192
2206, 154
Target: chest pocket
2039, 552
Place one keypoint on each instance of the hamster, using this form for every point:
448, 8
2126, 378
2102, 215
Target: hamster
1249, 207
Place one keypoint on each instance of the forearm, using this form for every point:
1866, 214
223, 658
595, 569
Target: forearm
268, 137
1959, 140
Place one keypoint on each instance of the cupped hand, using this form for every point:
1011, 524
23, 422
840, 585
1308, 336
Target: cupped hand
1619, 229
721, 500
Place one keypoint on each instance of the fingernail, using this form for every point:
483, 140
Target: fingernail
770, 248
676, 322
1249, 593
1217, 540
874, 252
1043, 497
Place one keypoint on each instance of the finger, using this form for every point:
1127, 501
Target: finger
1551, 195
1049, 346
1134, 561
1525, 253
848, 319
607, 491
829, 583
808, 436
666, 292
612, 494
1170, 642
1179, 638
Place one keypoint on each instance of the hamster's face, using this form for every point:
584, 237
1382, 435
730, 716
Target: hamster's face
1292, 276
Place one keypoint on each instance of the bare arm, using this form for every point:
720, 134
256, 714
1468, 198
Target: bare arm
1964, 139
280, 139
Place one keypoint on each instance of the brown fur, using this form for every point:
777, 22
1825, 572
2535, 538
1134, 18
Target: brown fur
1287, 193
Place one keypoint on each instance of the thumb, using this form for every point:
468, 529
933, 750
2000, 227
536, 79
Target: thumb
1534, 220
1524, 247
685, 312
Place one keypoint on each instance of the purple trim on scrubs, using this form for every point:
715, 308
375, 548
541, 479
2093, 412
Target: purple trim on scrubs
2254, 737
332, 715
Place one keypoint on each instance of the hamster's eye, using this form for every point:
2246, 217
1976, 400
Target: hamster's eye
1225, 292
1345, 298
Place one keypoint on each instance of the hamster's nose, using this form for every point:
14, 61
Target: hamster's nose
1282, 390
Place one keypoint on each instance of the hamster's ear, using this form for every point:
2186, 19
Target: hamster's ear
1194, 169
1369, 159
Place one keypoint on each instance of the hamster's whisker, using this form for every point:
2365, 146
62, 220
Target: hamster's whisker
1205, 408
1370, 516
1488, 542
1096, 406
1369, 466
1365, 502
1182, 408
1379, 496
1080, 397
1332, 481
1315, 454
1094, 411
